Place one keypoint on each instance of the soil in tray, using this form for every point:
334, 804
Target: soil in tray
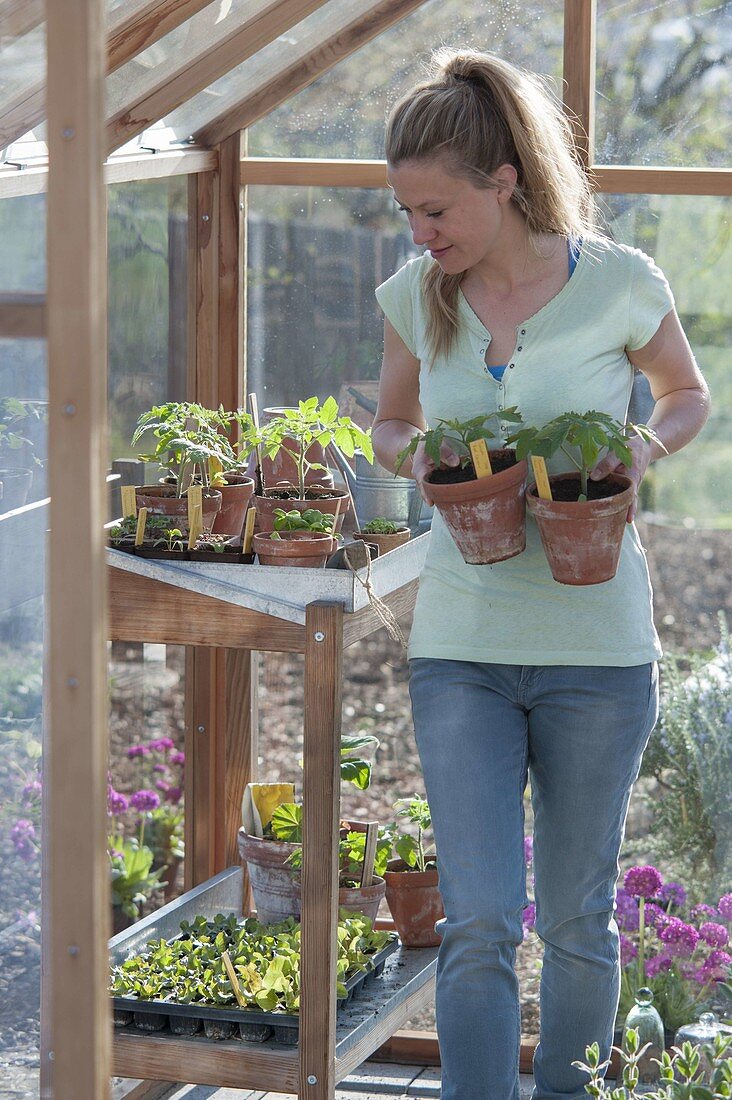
454, 475
233, 557
567, 489
161, 555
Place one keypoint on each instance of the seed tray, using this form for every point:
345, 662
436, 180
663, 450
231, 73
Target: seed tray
253, 1025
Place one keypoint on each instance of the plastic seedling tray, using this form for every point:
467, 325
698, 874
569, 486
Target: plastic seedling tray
252, 1025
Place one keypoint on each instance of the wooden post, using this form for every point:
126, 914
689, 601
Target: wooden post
321, 814
76, 873
579, 73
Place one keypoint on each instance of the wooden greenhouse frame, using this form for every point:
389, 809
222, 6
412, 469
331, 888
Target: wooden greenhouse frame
76, 1044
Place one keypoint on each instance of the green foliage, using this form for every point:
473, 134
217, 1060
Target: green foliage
355, 767
582, 437
380, 526
690, 757
458, 434
682, 1074
286, 823
307, 424
131, 875
410, 848
312, 519
17, 418
351, 851
266, 959
171, 539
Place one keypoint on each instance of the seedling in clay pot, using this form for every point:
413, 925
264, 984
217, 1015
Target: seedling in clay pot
581, 522
383, 534
412, 889
169, 545
483, 507
213, 547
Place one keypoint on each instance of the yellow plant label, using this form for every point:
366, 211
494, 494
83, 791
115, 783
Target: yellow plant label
141, 521
231, 973
195, 524
248, 531
129, 503
542, 479
481, 461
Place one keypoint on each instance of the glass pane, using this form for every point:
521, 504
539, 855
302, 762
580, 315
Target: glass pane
664, 87
315, 257
23, 523
22, 63
177, 50
691, 240
342, 113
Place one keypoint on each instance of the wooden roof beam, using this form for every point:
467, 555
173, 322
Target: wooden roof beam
17, 17
128, 35
193, 76
305, 64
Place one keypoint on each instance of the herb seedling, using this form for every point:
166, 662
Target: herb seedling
458, 434
410, 849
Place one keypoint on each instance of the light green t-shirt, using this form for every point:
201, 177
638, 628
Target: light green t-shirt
570, 356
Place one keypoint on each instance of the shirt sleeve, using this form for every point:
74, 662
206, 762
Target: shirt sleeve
650, 300
395, 297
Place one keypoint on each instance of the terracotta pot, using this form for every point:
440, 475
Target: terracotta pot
486, 517
360, 899
274, 887
15, 482
415, 903
385, 543
235, 497
282, 467
303, 549
582, 540
162, 500
265, 505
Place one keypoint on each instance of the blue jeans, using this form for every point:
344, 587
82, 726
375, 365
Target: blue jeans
578, 732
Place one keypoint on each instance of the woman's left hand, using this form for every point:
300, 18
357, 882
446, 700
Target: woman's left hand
611, 464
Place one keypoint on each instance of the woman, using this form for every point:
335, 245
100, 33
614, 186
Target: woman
517, 301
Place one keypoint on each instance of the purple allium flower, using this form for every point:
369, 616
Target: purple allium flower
656, 917
642, 882
161, 744
23, 835
716, 967
725, 907
137, 750
160, 767
673, 893
528, 850
626, 911
704, 911
628, 950
145, 800
655, 965
162, 786
680, 938
117, 803
714, 934
180, 758
529, 917
174, 795
31, 792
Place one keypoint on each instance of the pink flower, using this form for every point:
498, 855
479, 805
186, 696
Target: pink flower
528, 850
174, 795
642, 882
679, 938
655, 965
725, 907
529, 917
626, 911
656, 917
23, 836
628, 950
161, 744
180, 758
142, 801
117, 803
704, 911
714, 934
673, 893
137, 750
160, 768
162, 786
31, 792
716, 967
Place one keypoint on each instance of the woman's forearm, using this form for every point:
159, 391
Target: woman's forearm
389, 437
677, 418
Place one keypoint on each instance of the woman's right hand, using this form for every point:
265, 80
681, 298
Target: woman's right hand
423, 466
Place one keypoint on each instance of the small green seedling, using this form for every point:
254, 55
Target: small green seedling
312, 519
458, 434
380, 526
411, 849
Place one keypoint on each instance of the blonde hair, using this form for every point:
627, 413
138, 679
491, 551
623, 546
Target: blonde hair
481, 112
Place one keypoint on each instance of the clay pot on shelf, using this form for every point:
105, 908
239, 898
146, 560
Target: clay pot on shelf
415, 903
276, 496
485, 516
385, 543
304, 549
582, 539
235, 497
16, 483
161, 500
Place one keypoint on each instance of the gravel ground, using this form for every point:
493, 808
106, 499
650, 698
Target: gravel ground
692, 576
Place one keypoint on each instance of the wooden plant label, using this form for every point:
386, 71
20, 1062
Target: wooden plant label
229, 966
369, 853
195, 499
141, 521
248, 530
542, 479
195, 523
479, 455
129, 502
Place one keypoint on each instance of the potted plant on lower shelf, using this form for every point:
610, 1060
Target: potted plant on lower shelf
384, 534
483, 513
412, 889
303, 539
583, 522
